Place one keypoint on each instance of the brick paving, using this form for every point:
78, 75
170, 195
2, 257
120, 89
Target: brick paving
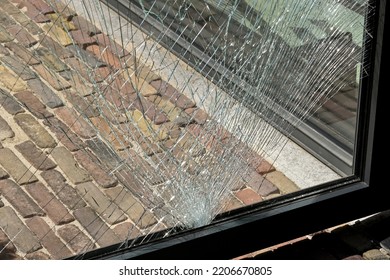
57, 195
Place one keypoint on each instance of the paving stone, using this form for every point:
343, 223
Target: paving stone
27, 23
55, 210
20, 68
7, 249
42, 6
284, 184
110, 44
91, 164
95, 226
106, 209
15, 167
35, 131
52, 78
23, 53
62, 22
35, 156
79, 85
3, 174
133, 208
104, 153
58, 34
22, 203
248, 196
49, 59
32, 12
52, 243
127, 231
83, 24
11, 81
260, 184
64, 191
23, 239
3, 51
22, 35
111, 134
37, 256
33, 104
47, 96
105, 55
69, 166
61, 51
167, 90
9, 103
69, 139
76, 239
150, 130
84, 105
5, 36
231, 203
6, 21
75, 122
5, 130
86, 57
375, 254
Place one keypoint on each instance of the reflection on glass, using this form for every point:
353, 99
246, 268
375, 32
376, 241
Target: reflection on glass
130, 128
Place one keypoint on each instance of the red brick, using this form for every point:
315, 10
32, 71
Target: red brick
15, 167
198, 115
248, 196
231, 203
25, 206
68, 138
35, 156
76, 239
67, 195
91, 164
87, 105
33, 104
19, 67
110, 44
42, 6
100, 74
155, 114
55, 47
82, 38
167, 90
76, 122
101, 233
56, 248
22, 35
9, 103
88, 58
80, 87
50, 60
64, 9
106, 55
35, 131
49, 203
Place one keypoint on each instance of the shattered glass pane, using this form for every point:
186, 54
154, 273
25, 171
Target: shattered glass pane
119, 119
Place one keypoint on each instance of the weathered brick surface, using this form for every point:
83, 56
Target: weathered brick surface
23, 53
32, 12
86, 57
134, 209
231, 203
7, 249
375, 254
11, 81
67, 137
106, 209
9, 103
35, 131
83, 24
284, 184
85, 105
52, 243
95, 226
104, 153
19, 199
3, 174
35, 156
91, 164
105, 55
80, 87
33, 104
48, 97
37, 256
58, 34
167, 90
22, 35
15, 167
20, 68
4, 51
76, 239
52, 78
42, 6
5, 36
1, 203
49, 203
127, 231
115, 48
67, 195
55, 47
50, 60
82, 38
23, 239
76, 122
69, 166
61, 21
5, 130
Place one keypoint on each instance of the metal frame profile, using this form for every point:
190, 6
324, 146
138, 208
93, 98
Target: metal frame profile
271, 222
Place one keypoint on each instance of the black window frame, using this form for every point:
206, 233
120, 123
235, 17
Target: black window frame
278, 220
